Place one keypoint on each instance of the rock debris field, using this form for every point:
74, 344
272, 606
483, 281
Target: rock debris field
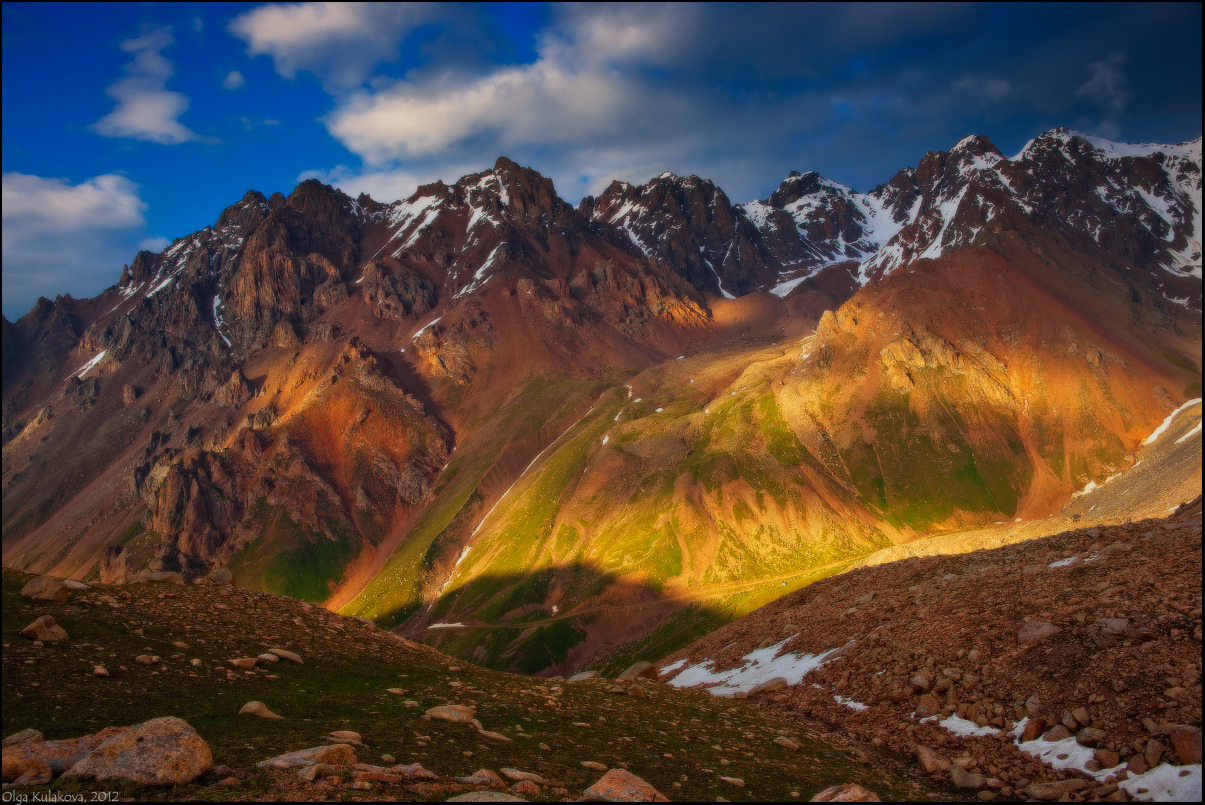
161, 690
1066, 668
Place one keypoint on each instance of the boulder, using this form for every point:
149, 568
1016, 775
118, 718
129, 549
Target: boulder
162, 751
220, 575
46, 588
965, 779
770, 685
334, 754
258, 709
849, 792
929, 705
1034, 632
25, 736
642, 668
456, 713
45, 629
620, 785
1187, 741
931, 761
581, 675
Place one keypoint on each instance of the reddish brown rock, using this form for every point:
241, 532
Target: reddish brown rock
931, 761
850, 792
1187, 742
619, 785
162, 751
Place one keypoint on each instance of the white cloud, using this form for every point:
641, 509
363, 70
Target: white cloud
146, 109
38, 204
583, 88
234, 80
1106, 85
339, 41
61, 237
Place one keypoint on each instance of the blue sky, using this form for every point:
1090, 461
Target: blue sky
129, 125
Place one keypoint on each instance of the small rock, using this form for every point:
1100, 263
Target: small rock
1033, 729
636, 691
267, 657
413, 771
519, 776
147, 659
1057, 734
1081, 715
620, 785
316, 771
44, 628
46, 588
850, 792
1107, 759
1051, 791
583, 675
920, 682
1090, 737
484, 777
456, 713
99, 670
526, 788
788, 743
286, 655
594, 764
258, 709
335, 754
497, 736
736, 781
246, 663
1154, 751
162, 751
485, 796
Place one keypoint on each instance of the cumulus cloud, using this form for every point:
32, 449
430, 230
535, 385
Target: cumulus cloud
234, 79
338, 41
583, 88
62, 235
1106, 86
146, 109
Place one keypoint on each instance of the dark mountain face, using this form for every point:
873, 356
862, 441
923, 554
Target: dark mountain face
331, 395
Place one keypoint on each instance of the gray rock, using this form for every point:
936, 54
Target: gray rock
641, 668
770, 685
582, 675
46, 588
965, 779
335, 754
44, 628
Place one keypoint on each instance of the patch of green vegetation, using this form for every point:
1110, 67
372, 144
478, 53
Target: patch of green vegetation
538, 401
292, 559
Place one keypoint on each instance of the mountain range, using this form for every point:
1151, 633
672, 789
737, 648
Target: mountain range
538, 434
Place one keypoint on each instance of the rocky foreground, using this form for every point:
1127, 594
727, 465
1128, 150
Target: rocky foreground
164, 690
1060, 668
